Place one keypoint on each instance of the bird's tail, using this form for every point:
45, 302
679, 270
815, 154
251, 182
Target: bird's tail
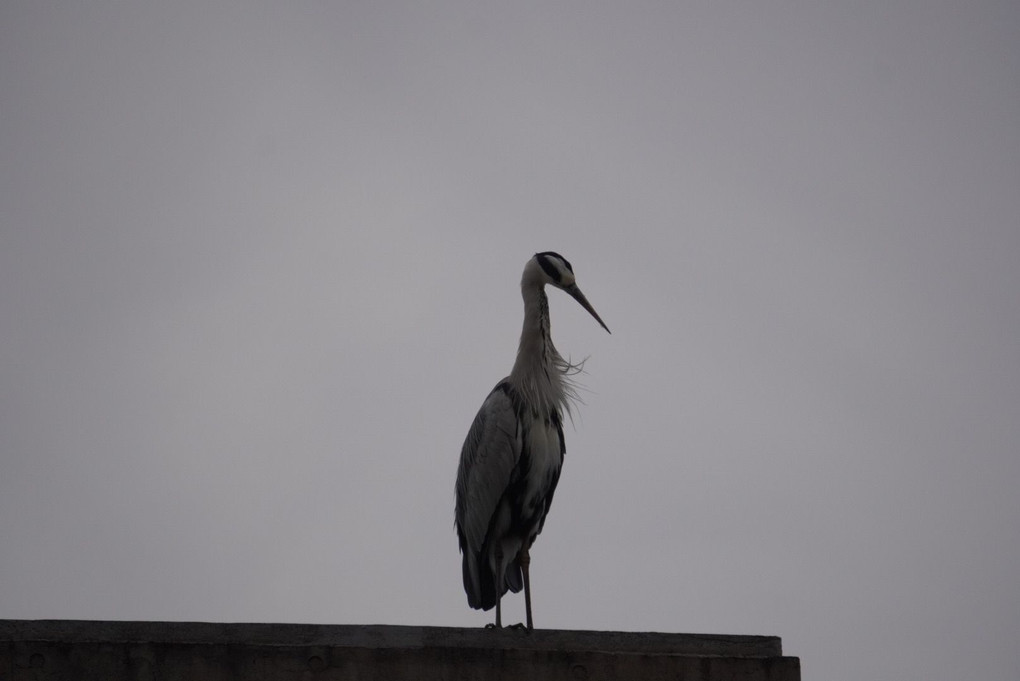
480, 583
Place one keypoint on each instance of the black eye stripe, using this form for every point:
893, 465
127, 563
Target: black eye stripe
543, 259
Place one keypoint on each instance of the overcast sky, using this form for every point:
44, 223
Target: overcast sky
260, 263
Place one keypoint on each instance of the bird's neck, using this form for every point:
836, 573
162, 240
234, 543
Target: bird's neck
535, 371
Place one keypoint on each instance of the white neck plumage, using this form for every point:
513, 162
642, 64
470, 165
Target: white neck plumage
540, 374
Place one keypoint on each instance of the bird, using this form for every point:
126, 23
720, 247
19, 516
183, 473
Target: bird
512, 456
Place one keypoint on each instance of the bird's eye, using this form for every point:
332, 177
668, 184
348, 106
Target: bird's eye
556, 266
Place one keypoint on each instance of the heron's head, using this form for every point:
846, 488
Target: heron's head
555, 270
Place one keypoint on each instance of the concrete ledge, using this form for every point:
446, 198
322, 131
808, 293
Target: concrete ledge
115, 651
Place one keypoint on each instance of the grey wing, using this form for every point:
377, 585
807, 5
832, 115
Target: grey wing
487, 461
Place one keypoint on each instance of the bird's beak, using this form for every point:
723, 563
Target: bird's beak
579, 297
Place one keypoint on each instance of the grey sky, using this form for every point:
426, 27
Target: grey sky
259, 266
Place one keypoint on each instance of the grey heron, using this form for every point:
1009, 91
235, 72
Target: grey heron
512, 456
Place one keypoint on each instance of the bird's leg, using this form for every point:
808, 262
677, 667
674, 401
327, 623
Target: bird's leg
525, 560
499, 584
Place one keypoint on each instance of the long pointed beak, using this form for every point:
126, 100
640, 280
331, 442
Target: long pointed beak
579, 297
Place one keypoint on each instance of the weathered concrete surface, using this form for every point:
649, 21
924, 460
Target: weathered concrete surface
171, 651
